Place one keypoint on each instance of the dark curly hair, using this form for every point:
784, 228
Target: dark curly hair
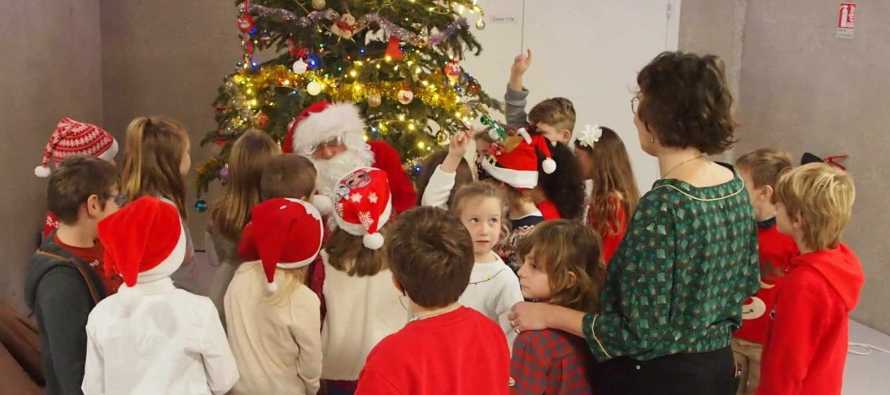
686, 102
565, 186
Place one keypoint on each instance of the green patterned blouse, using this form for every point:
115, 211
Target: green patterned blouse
678, 280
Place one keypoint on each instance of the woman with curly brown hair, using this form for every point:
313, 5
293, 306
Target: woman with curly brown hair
670, 302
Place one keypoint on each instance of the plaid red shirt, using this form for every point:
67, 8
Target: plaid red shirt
551, 362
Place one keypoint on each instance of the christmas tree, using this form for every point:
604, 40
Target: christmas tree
397, 60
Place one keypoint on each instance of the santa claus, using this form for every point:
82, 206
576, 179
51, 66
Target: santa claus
332, 136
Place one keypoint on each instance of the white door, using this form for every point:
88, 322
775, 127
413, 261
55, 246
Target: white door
586, 50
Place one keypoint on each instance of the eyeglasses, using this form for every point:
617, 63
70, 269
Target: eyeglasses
332, 143
635, 104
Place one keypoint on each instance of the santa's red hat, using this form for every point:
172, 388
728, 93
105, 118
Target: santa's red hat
75, 138
143, 242
282, 233
364, 204
323, 121
515, 161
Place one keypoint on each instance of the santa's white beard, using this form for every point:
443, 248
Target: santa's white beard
332, 170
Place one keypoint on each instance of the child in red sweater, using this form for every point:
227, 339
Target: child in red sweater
760, 170
445, 348
613, 193
806, 345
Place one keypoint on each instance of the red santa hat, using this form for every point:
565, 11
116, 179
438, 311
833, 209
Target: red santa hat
143, 242
76, 138
283, 233
364, 204
515, 161
323, 121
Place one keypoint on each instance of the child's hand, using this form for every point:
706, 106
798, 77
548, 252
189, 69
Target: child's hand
521, 63
458, 145
456, 150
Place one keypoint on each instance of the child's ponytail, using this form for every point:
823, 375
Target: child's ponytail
154, 151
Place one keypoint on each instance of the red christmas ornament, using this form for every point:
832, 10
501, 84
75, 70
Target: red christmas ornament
393, 49
452, 71
262, 120
221, 142
245, 23
248, 46
296, 50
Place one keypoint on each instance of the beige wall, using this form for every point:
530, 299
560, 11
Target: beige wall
50, 68
805, 90
801, 89
708, 26
168, 57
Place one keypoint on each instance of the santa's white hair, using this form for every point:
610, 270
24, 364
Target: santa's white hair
341, 120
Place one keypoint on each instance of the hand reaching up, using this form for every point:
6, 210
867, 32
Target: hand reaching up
520, 65
456, 150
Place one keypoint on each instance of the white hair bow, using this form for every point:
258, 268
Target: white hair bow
589, 136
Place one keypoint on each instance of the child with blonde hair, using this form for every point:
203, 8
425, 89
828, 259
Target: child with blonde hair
156, 161
273, 317
231, 212
806, 346
760, 170
362, 304
493, 288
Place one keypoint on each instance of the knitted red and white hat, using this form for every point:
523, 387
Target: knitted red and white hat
76, 138
323, 121
144, 241
364, 204
515, 161
282, 233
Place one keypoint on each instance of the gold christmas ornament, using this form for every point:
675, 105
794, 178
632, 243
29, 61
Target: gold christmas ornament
375, 100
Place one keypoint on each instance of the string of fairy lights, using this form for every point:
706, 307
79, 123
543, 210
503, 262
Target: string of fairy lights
415, 87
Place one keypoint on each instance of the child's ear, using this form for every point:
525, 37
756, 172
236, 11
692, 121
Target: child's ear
93, 205
767, 192
797, 221
565, 136
573, 279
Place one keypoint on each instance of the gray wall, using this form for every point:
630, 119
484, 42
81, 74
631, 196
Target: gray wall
51, 68
802, 89
806, 90
168, 57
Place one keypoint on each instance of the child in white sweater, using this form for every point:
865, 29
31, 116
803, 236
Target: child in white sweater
363, 305
493, 288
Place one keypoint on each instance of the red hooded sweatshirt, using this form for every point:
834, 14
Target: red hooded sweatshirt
807, 342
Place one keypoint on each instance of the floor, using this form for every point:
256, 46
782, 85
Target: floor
870, 374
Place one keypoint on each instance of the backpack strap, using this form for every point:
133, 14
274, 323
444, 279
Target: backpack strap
94, 294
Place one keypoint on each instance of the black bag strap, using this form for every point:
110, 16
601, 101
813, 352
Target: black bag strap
94, 294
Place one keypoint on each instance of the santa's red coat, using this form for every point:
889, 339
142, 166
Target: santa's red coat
386, 158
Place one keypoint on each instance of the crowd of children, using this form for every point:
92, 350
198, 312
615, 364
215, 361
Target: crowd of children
532, 266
